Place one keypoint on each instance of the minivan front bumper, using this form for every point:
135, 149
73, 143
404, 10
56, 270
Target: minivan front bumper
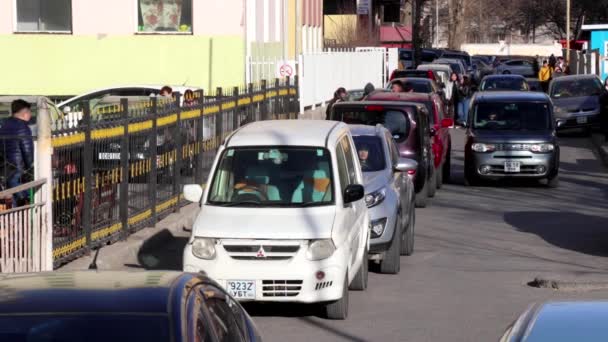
500, 164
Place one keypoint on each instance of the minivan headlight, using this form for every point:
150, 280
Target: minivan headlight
542, 148
375, 198
320, 249
478, 147
203, 248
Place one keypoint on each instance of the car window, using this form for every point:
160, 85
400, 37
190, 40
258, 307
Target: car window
576, 88
371, 153
393, 149
530, 116
396, 121
227, 318
515, 63
350, 161
504, 83
342, 168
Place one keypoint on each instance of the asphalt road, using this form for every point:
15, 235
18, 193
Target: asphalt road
476, 251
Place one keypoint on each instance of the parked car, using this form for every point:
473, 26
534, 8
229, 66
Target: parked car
120, 306
456, 64
560, 321
283, 218
409, 125
389, 196
430, 74
504, 82
516, 66
511, 135
534, 84
440, 129
461, 55
487, 59
443, 71
579, 100
481, 68
406, 57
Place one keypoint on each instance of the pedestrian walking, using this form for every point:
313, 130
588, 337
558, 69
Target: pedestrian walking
535, 66
455, 95
544, 76
552, 61
466, 91
17, 152
339, 95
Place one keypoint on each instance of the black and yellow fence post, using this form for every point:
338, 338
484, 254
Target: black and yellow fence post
251, 107
198, 170
179, 156
276, 108
296, 99
236, 112
123, 209
219, 124
87, 168
264, 105
152, 145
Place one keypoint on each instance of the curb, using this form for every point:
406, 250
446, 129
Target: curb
601, 147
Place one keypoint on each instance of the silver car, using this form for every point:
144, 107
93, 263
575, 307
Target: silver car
389, 195
579, 101
516, 66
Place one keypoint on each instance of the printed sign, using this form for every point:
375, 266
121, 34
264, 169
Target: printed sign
363, 7
286, 68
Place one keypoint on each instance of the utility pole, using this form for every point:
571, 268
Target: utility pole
436, 23
568, 32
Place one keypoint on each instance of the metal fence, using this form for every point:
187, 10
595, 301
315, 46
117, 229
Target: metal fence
135, 156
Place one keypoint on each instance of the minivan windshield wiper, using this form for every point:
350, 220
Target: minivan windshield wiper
239, 203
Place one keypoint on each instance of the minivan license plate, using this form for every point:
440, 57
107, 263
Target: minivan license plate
581, 120
512, 166
241, 289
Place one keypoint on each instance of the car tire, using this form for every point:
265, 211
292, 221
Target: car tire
447, 166
339, 309
422, 196
407, 235
391, 264
553, 181
432, 187
439, 176
360, 281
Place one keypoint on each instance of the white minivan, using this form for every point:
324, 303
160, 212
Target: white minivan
283, 217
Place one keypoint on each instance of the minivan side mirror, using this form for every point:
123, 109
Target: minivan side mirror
447, 122
406, 165
193, 192
353, 192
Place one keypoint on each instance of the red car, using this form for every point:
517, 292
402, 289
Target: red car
440, 128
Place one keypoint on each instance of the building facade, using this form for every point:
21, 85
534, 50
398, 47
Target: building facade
67, 47
599, 41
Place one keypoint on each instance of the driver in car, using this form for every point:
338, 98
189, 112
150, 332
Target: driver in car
363, 153
492, 118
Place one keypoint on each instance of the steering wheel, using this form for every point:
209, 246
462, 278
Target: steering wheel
492, 124
247, 192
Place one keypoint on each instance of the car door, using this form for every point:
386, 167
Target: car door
351, 218
398, 178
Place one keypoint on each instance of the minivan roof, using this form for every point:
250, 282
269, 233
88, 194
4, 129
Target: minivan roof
285, 133
492, 96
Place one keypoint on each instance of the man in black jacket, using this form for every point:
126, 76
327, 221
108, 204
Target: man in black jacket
17, 148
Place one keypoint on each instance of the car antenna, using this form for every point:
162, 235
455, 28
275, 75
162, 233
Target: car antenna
93, 265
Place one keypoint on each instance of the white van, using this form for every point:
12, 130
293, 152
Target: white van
283, 217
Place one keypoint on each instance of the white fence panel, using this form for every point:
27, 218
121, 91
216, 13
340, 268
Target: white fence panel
322, 73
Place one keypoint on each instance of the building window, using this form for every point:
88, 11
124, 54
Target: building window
44, 15
157, 16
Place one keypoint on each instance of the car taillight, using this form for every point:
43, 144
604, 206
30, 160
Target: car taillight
430, 74
411, 172
373, 108
392, 75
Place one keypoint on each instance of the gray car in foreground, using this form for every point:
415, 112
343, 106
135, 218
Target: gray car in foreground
578, 101
511, 135
560, 321
389, 195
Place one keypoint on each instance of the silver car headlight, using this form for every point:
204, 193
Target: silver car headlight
478, 147
375, 198
203, 248
542, 148
320, 249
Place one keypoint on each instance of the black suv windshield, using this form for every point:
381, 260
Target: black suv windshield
512, 116
371, 153
395, 121
273, 176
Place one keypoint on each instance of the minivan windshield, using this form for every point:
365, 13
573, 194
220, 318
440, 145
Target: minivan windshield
397, 122
575, 88
531, 116
273, 177
504, 83
370, 152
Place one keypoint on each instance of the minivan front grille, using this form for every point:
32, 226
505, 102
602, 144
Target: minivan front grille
265, 251
281, 288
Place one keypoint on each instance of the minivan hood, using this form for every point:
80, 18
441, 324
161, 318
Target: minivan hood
512, 136
577, 103
373, 181
265, 223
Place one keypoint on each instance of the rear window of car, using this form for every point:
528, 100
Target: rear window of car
419, 85
396, 121
405, 54
504, 83
409, 73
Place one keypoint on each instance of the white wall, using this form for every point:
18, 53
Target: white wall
503, 49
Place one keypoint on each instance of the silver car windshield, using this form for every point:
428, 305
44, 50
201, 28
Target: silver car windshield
273, 176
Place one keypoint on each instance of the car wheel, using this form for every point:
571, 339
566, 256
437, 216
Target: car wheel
439, 176
339, 308
391, 264
433, 185
407, 235
422, 196
553, 181
360, 281
447, 166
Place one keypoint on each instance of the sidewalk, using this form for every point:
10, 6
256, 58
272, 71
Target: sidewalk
601, 145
